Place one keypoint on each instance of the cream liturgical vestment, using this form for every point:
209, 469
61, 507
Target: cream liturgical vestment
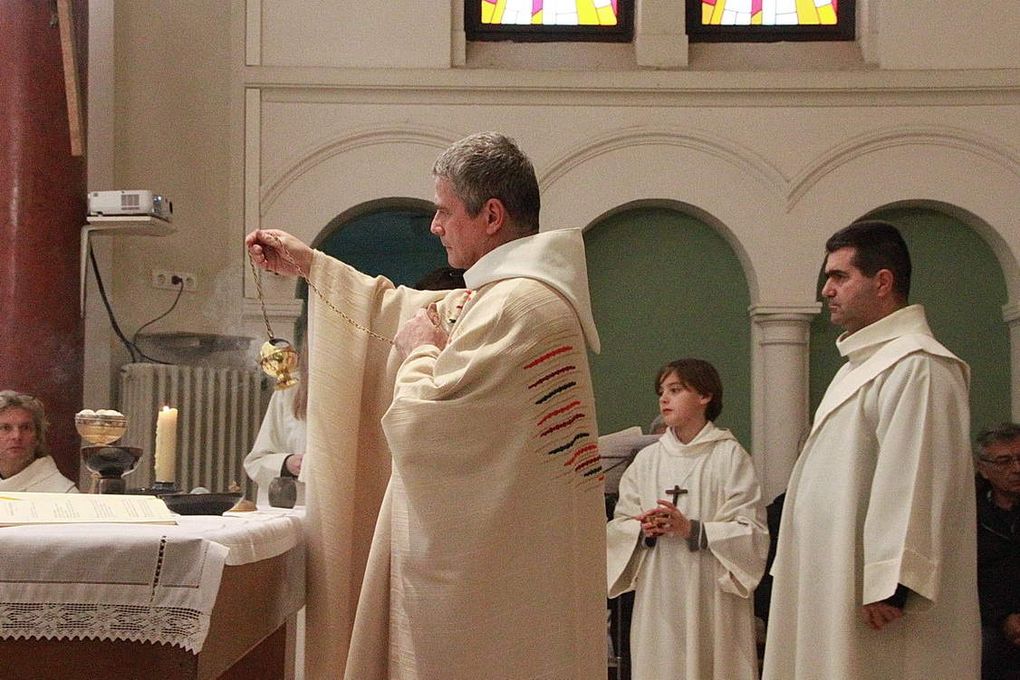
882, 494
488, 553
41, 475
693, 614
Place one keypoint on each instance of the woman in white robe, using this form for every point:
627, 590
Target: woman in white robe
25, 463
281, 437
41, 475
693, 614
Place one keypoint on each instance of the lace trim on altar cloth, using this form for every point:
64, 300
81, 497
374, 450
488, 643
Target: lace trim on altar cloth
176, 626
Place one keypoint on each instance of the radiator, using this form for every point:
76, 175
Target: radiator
219, 414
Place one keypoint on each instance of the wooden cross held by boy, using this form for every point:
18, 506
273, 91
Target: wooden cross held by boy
674, 493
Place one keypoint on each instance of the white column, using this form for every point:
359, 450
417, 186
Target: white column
1011, 315
779, 400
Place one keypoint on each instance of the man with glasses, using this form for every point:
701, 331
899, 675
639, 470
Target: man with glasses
874, 575
998, 508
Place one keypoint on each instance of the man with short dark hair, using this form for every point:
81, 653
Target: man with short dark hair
998, 509
488, 558
874, 575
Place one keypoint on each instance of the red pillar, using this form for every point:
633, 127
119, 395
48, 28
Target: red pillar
42, 196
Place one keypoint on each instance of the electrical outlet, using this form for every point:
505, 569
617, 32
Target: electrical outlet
162, 278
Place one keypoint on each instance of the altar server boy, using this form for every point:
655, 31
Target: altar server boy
689, 537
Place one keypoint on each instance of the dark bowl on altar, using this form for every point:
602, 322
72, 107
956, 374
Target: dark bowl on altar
110, 461
201, 503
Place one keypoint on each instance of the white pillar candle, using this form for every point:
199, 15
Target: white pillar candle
166, 445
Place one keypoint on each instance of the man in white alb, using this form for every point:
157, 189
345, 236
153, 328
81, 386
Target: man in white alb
488, 556
875, 568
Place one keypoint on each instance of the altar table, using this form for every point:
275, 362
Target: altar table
208, 598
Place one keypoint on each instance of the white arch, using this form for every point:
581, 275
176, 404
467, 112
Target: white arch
994, 150
320, 153
687, 170
355, 212
747, 161
694, 211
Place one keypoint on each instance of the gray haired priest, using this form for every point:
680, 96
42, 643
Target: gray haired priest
488, 555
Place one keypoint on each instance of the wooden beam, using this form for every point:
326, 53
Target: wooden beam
69, 53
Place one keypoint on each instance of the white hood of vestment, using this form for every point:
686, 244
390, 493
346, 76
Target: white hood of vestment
555, 258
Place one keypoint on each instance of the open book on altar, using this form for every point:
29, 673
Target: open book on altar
79, 508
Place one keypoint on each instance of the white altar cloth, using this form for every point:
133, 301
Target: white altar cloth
141, 583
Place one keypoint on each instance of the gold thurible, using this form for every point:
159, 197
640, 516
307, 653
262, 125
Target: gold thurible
277, 356
279, 360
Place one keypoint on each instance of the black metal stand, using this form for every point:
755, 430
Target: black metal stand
619, 609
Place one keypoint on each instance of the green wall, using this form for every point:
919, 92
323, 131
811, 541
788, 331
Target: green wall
958, 280
665, 285
396, 244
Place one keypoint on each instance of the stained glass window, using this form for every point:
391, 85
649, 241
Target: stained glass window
548, 19
770, 20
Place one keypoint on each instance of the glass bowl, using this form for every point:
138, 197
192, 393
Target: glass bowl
100, 429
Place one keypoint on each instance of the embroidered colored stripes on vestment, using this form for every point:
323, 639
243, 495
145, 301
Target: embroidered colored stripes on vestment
459, 309
563, 426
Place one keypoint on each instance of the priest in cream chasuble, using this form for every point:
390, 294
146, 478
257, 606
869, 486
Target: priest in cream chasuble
465, 454
488, 552
880, 505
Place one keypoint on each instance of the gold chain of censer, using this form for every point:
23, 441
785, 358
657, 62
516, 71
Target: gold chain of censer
277, 357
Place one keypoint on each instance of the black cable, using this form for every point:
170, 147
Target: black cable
109, 310
134, 338
130, 345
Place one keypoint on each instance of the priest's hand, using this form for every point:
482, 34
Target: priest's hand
664, 520
878, 614
421, 329
279, 252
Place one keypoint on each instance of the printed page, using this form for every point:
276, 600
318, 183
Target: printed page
74, 508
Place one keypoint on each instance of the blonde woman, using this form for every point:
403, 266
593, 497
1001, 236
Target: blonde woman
25, 463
